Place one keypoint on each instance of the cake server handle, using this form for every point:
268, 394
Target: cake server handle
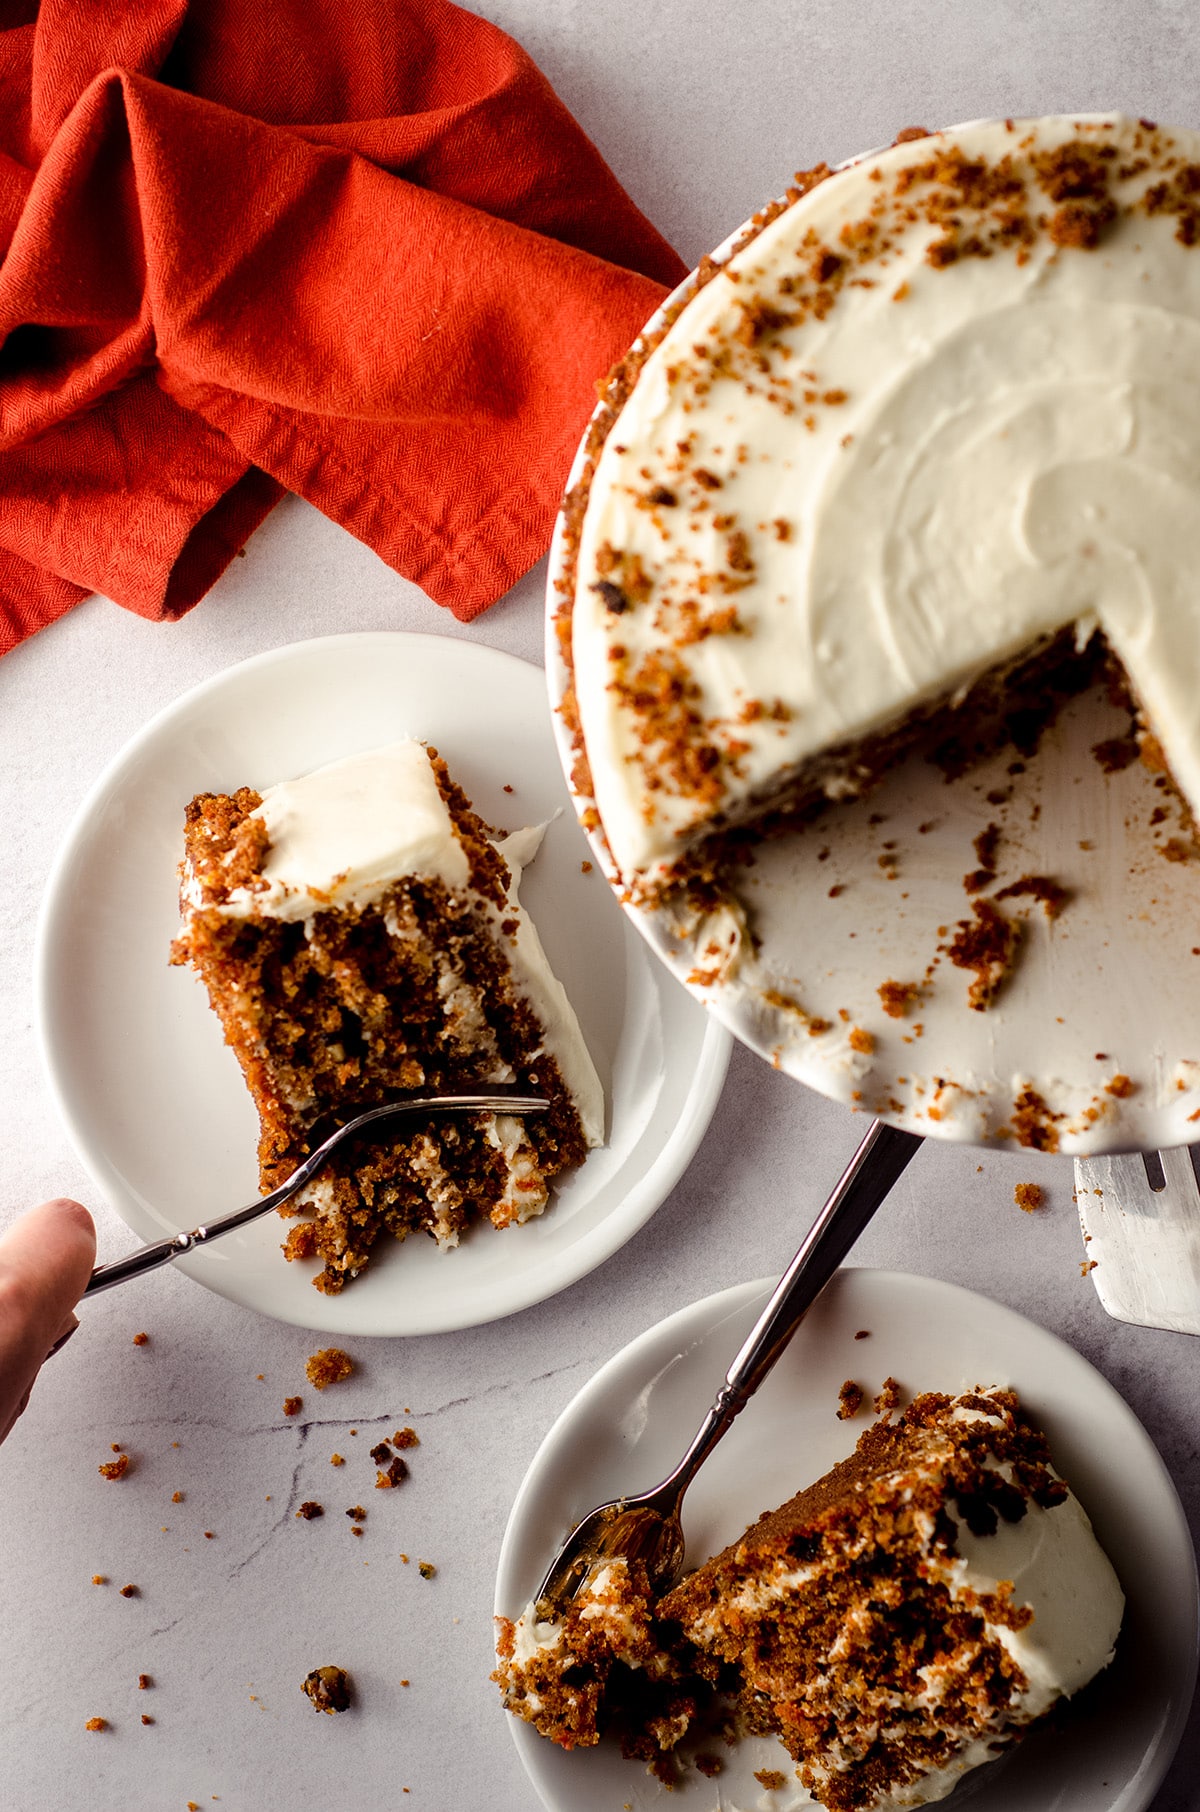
162, 1251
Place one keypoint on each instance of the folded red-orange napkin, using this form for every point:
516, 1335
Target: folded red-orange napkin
358, 252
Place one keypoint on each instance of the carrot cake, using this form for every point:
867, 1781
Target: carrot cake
360, 936
895, 1625
923, 435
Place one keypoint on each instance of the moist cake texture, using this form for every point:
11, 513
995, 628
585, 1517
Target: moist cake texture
932, 422
360, 937
895, 1625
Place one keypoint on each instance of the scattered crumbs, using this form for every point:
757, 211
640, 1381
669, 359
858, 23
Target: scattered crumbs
771, 1778
329, 1688
888, 1398
1052, 894
507, 789
146, 1718
1120, 1086
174, 1443
986, 945
404, 1682
114, 1469
898, 998
354, 1431
406, 1437
381, 1454
357, 1513
861, 1041
1176, 850
177, 1497
129, 1591
708, 1765
261, 1377
96, 1724
329, 1366
835, 893
863, 1334
99, 1578
335, 1459
1086, 1265
850, 1398
144, 1683
310, 1508
116, 1446
426, 1569
1028, 1196
209, 1536
141, 1340
585, 868
393, 1475
404, 1558
356, 1529
192, 1806
979, 1170
292, 1405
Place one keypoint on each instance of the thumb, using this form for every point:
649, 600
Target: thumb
46, 1258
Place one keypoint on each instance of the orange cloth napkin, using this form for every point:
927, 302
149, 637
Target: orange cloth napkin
361, 252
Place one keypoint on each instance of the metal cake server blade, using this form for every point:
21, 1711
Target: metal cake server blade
1140, 1214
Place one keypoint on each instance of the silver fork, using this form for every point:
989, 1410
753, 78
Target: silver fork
162, 1251
1140, 1213
647, 1526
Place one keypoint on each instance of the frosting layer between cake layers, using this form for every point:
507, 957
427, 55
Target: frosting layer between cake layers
939, 408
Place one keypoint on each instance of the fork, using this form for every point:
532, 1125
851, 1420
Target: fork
647, 1526
162, 1251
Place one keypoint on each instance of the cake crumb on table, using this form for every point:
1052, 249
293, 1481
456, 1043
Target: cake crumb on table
141, 1340
393, 1475
406, 1437
329, 1688
426, 1569
1028, 1196
114, 1469
144, 1682
309, 1509
96, 1724
177, 1497
146, 1718
292, 1405
129, 1591
770, 1778
99, 1578
850, 1399
357, 1513
329, 1366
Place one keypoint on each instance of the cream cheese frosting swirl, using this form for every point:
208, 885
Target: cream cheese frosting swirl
941, 407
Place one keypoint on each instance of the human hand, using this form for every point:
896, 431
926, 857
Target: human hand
46, 1258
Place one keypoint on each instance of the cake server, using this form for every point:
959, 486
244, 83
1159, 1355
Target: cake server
162, 1251
647, 1526
1140, 1213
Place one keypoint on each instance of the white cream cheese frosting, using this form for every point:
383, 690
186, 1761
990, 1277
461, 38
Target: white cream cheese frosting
943, 406
344, 834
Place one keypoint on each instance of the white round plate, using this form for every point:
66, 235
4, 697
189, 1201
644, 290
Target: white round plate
630, 1424
1107, 993
153, 1100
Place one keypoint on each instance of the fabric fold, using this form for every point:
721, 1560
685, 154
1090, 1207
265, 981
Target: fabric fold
213, 295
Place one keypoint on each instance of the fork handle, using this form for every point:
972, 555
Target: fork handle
866, 1181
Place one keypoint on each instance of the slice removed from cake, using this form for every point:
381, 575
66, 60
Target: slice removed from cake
360, 936
895, 1625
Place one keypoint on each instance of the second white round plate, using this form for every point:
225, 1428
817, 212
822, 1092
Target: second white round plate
628, 1427
155, 1103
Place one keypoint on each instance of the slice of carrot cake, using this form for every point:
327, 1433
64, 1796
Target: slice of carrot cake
896, 1624
360, 936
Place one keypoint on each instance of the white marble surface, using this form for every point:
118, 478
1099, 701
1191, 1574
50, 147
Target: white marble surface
704, 109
